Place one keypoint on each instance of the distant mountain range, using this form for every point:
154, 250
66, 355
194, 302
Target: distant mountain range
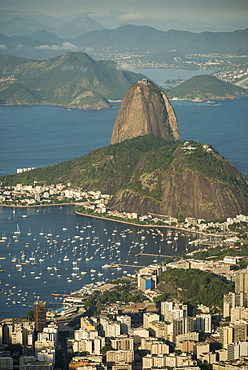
28, 38
143, 38
117, 17
39, 45
78, 26
73, 80
43, 44
81, 25
21, 27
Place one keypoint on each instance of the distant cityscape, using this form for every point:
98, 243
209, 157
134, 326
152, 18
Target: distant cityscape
229, 68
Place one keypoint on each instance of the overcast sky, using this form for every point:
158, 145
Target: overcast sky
210, 11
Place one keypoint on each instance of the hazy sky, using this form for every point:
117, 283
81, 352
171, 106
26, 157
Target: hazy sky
210, 11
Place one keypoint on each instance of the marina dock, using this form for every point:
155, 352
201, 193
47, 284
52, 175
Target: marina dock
126, 265
151, 255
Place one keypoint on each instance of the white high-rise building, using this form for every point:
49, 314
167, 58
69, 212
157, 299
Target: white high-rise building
47, 355
203, 323
99, 343
125, 322
85, 334
172, 311
149, 317
110, 328
166, 310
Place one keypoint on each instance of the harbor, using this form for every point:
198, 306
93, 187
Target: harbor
52, 250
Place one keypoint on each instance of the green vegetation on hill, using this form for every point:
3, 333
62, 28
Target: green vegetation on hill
19, 94
98, 169
121, 165
121, 295
73, 80
204, 87
210, 164
194, 286
149, 167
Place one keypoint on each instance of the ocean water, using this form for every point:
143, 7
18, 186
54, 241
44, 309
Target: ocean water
37, 136
57, 250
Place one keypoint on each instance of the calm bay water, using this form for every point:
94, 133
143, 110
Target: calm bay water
55, 258
38, 136
59, 251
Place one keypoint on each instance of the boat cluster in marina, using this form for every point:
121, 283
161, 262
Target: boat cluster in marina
37, 261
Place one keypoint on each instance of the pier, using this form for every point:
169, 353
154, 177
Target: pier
59, 295
152, 255
126, 265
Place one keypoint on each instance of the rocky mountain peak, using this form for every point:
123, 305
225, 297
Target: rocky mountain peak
145, 109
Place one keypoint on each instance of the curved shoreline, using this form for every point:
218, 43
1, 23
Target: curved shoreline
115, 220
39, 205
68, 107
145, 225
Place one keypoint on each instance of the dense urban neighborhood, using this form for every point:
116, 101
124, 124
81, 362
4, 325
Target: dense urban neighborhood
130, 323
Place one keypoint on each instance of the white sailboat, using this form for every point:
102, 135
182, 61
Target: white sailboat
18, 231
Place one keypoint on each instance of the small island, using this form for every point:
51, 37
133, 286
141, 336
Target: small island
204, 87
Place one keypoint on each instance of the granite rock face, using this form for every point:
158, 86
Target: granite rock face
145, 109
188, 194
